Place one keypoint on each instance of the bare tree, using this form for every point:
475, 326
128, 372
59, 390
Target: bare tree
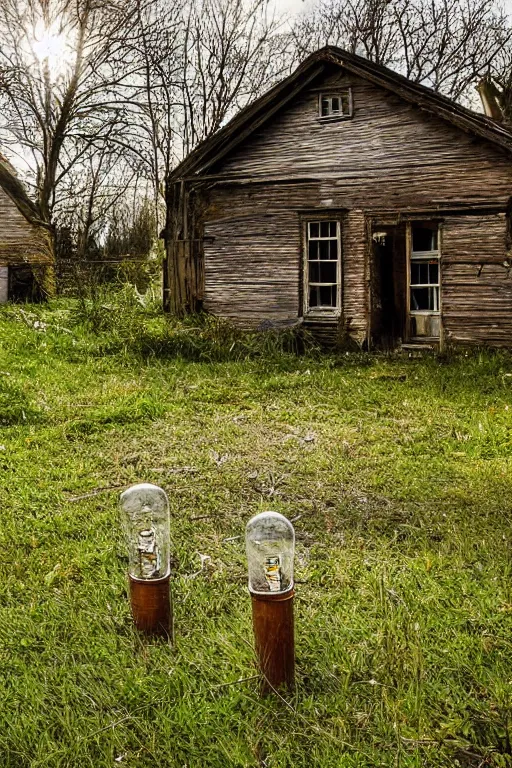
197, 64
495, 87
151, 99
444, 44
92, 191
232, 52
63, 64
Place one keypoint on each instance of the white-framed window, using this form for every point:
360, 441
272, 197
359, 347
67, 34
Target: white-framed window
335, 105
424, 269
322, 278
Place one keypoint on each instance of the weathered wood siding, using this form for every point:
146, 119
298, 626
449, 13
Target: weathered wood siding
252, 266
389, 154
476, 287
355, 275
21, 242
253, 261
4, 284
390, 157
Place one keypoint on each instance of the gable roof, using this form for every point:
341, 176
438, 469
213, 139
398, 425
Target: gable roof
16, 191
260, 111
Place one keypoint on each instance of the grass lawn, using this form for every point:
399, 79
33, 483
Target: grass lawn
398, 475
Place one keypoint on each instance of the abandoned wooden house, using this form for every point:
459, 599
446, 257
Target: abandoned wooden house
26, 252
348, 198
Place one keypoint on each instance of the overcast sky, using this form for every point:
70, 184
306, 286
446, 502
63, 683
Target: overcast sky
293, 6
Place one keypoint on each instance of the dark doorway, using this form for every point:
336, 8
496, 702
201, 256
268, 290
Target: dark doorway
388, 286
23, 285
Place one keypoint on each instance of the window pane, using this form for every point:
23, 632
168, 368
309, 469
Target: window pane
324, 229
425, 299
335, 104
314, 229
419, 299
424, 239
324, 248
333, 229
333, 249
328, 272
424, 273
313, 249
314, 272
327, 295
313, 296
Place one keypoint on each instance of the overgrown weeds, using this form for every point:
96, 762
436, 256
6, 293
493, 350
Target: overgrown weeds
126, 321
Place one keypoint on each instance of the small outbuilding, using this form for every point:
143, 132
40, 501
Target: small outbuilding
370, 208
26, 243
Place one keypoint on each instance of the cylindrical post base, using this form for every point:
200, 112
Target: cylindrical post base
151, 605
272, 620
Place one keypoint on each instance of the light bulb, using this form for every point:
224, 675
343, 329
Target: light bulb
146, 524
270, 546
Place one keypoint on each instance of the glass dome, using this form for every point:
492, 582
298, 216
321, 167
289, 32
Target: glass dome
146, 522
270, 546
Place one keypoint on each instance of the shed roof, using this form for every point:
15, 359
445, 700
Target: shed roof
16, 191
258, 112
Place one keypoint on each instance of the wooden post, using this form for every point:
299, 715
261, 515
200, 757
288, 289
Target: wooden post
273, 624
151, 606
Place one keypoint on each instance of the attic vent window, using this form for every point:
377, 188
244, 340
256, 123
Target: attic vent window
336, 106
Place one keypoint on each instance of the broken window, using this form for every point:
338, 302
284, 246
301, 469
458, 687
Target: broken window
424, 269
323, 266
424, 240
336, 104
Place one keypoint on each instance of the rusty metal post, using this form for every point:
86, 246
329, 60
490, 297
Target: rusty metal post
273, 624
152, 606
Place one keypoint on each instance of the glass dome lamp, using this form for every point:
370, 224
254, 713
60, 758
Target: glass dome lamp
146, 524
270, 546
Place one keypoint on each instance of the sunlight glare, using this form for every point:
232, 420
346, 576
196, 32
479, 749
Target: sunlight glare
51, 46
